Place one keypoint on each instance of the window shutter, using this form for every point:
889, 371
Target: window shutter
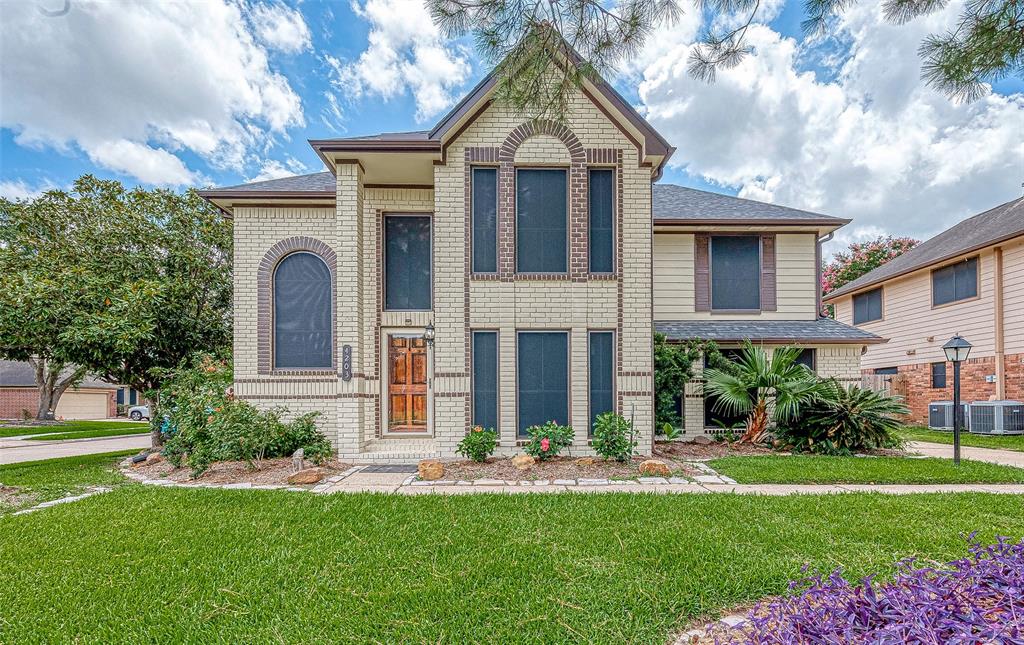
768, 299
701, 273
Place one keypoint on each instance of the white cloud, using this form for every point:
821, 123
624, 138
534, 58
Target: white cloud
274, 169
873, 144
20, 189
405, 54
281, 27
135, 83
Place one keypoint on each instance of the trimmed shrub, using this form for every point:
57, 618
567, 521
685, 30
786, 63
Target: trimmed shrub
479, 444
614, 437
548, 440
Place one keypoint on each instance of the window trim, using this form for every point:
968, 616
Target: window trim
383, 275
711, 278
614, 366
931, 375
568, 375
568, 221
472, 229
497, 376
853, 306
977, 282
615, 219
274, 369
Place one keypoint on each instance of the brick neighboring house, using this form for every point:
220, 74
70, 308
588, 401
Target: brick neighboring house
969, 280
534, 254
19, 395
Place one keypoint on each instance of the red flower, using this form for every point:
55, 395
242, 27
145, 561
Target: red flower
545, 444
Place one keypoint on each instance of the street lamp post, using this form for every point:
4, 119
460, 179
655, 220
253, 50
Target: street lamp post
957, 349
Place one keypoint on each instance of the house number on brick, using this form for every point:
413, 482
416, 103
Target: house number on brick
346, 362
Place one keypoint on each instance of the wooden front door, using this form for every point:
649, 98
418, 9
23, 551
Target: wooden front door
407, 384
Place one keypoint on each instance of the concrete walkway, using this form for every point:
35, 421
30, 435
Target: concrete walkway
13, 450
991, 455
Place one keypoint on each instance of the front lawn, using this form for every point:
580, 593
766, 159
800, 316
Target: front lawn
144, 564
813, 469
999, 442
32, 482
75, 430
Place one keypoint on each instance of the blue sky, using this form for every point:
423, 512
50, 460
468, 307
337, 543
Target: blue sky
225, 91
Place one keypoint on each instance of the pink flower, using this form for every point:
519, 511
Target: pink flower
545, 444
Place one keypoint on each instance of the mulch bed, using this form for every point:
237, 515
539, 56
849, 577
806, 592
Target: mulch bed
691, 450
272, 471
554, 468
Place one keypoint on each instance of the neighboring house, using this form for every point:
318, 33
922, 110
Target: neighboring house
19, 396
528, 251
969, 280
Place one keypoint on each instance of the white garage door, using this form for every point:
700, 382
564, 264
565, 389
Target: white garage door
82, 405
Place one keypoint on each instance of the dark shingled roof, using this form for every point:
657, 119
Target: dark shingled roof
21, 374
994, 225
673, 204
822, 330
316, 182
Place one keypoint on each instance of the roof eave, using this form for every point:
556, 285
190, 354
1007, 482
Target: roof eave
740, 221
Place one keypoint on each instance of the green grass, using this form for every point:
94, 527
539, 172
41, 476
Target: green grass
1000, 442
142, 564
76, 430
48, 479
813, 469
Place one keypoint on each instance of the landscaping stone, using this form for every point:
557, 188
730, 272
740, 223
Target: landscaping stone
585, 461
678, 480
490, 482
565, 482
154, 458
702, 440
653, 480
654, 468
307, 476
430, 470
523, 462
593, 482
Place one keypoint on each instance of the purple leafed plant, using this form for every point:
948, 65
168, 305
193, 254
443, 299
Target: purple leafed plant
979, 599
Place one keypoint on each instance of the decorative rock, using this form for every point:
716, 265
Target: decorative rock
154, 458
654, 468
702, 440
430, 470
307, 476
523, 462
298, 460
585, 461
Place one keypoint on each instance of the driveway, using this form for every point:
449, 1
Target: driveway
14, 451
991, 455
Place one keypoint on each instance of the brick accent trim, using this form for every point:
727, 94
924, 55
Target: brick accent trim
265, 301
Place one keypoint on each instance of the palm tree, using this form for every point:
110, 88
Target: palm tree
754, 381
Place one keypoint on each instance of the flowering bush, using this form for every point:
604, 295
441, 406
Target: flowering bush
613, 437
974, 600
860, 258
479, 444
547, 440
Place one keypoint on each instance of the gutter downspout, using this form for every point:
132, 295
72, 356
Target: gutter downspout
997, 316
817, 271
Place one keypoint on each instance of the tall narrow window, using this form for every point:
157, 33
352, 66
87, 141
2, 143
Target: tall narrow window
407, 263
938, 375
543, 373
485, 220
600, 232
867, 306
955, 282
808, 358
541, 221
716, 416
302, 312
736, 272
602, 365
485, 379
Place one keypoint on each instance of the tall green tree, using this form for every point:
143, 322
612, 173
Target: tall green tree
113, 282
533, 43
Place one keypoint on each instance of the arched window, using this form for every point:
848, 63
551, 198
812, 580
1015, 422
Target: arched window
302, 312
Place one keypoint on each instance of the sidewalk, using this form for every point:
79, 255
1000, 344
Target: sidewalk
991, 455
13, 451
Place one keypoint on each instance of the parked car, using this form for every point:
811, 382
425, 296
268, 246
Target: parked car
138, 412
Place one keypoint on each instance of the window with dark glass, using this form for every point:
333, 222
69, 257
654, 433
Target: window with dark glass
133, 397
939, 375
808, 358
602, 365
955, 282
485, 220
600, 232
887, 370
543, 378
736, 272
867, 306
485, 379
541, 220
120, 396
302, 312
715, 416
407, 263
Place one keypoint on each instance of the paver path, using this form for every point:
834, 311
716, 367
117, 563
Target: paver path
991, 455
14, 451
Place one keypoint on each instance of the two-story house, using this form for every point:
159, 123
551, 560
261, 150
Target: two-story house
969, 279
502, 272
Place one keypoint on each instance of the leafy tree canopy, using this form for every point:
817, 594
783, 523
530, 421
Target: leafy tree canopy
861, 257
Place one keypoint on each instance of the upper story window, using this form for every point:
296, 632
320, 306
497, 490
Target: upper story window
407, 263
955, 282
542, 220
867, 306
302, 312
601, 195
485, 220
735, 272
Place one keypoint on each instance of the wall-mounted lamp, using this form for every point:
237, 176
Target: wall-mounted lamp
428, 334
